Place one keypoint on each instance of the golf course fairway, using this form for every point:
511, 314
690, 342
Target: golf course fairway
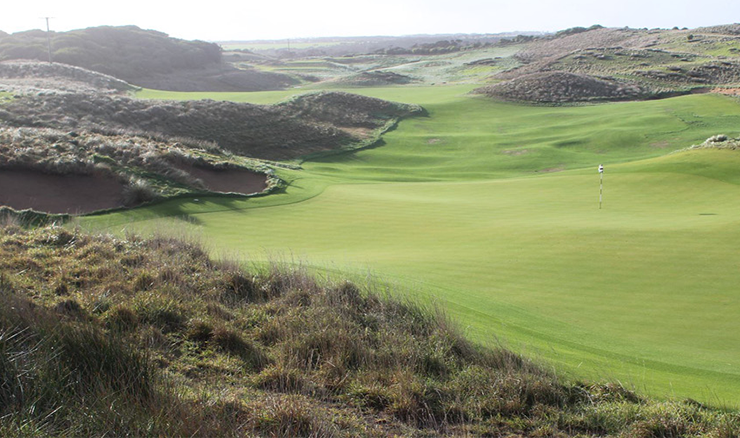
491, 210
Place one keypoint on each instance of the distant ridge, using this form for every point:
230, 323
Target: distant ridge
146, 58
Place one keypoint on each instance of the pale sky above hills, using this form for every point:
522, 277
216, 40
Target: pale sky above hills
218, 20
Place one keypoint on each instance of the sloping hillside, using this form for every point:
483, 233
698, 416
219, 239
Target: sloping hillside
136, 337
59, 172
560, 87
126, 52
547, 49
24, 76
145, 58
663, 62
374, 79
307, 124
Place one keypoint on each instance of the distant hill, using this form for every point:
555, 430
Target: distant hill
347, 46
658, 62
126, 52
143, 57
726, 29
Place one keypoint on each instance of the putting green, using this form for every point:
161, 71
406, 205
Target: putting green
492, 209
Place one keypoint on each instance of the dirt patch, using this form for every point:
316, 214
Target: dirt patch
361, 133
515, 152
73, 194
434, 141
551, 169
727, 91
660, 144
229, 180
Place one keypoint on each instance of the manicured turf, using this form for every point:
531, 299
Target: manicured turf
492, 209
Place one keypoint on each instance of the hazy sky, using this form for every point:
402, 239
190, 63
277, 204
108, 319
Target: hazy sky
216, 20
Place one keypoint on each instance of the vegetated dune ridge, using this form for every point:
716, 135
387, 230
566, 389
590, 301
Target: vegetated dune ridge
660, 62
303, 125
374, 79
145, 58
539, 53
25, 76
80, 172
560, 87
133, 337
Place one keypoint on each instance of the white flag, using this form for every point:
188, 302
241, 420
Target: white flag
601, 168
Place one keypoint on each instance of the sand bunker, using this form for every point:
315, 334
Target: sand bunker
229, 180
80, 194
73, 194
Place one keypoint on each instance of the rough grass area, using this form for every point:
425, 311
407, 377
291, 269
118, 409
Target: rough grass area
105, 336
25, 76
559, 87
719, 141
80, 172
307, 124
374, 79
666, 62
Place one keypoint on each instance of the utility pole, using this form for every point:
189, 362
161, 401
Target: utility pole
48, 38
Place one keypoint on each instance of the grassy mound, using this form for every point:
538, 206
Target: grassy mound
307, 124
560, 87
22, 75
374, 79
138, 337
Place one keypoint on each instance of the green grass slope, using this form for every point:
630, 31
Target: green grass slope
492, 208
104, 336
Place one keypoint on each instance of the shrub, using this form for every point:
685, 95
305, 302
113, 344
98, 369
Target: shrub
138, 191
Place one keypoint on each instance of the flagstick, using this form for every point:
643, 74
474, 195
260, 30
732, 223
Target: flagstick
601, 187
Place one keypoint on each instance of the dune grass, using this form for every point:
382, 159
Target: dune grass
104, 336
492, 209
